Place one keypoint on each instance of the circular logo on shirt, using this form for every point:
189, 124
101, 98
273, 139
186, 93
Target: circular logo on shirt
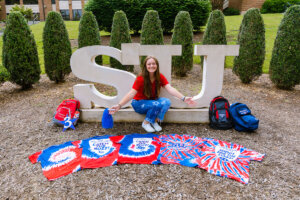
140, 144
63, 155
179, 146
100, 147
227, 154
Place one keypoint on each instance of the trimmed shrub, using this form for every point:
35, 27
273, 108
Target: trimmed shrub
57, 47
215, 32
135, 10
89, 33
26, 12
277, 6
4, 75
151, 30
231, 11
119, 34
183, 35
251, 38
285, 61
19, 54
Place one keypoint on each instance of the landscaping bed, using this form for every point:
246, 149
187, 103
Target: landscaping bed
26, 127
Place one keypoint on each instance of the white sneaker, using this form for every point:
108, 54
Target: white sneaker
148, 128
156, 127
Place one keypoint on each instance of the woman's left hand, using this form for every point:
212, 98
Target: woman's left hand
190, 101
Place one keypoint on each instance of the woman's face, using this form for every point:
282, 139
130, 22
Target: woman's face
151, 65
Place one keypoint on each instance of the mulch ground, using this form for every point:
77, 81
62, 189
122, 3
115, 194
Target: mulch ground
25, 128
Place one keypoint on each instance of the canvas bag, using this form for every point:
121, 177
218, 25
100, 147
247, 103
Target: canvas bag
242, 118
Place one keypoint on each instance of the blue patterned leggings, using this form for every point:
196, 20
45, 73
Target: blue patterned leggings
152, 108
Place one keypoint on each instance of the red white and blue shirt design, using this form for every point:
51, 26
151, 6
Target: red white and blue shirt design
99, 151
139, 149
227, 159
59, 160
180, 149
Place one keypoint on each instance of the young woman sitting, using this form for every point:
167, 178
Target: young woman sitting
145, 95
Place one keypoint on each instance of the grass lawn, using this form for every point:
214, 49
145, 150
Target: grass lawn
232, 27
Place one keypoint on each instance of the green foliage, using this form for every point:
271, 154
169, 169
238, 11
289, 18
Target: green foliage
285, 62
136, 9
231, 11
19, 53
4, 75
119, 34
215, 32
251, 38
26, 12
89, 33
57, 47
277, 6
151, 32
183, 35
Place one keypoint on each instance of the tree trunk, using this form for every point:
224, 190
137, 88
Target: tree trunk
217, 4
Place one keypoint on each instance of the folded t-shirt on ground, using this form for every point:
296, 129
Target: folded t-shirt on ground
139, 149
180, 149
227, 159
59, 160
99, 151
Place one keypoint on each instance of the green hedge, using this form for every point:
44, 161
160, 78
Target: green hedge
251, 38
183, 35
57, 47
231, 11
277, 6
135, 10
285, 62
19, 54
119, 34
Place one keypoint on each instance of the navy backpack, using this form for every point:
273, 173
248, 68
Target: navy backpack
242, 118
219, 116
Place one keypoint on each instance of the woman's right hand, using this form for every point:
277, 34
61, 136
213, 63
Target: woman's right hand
114, 109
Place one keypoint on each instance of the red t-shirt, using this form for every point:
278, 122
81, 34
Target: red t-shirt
138, 85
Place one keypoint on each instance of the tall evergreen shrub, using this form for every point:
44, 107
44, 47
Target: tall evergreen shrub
285, 61
89, 33
119, 34
251, 38
57, 47
183, 35
151, 30
215, 32
19, 54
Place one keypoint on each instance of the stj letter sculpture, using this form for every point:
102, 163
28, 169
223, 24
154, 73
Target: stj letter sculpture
84, 67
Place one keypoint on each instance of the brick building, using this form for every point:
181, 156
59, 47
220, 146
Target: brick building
244, 5
69, 9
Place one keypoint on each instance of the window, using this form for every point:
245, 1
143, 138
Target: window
30, 2
12, 2
65, 14
53, 1
77, 14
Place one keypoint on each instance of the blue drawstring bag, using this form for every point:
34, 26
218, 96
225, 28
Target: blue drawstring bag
107, 120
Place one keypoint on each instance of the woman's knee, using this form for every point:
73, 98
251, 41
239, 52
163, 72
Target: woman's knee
165, 102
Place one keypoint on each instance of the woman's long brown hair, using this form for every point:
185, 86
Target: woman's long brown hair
147, 81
